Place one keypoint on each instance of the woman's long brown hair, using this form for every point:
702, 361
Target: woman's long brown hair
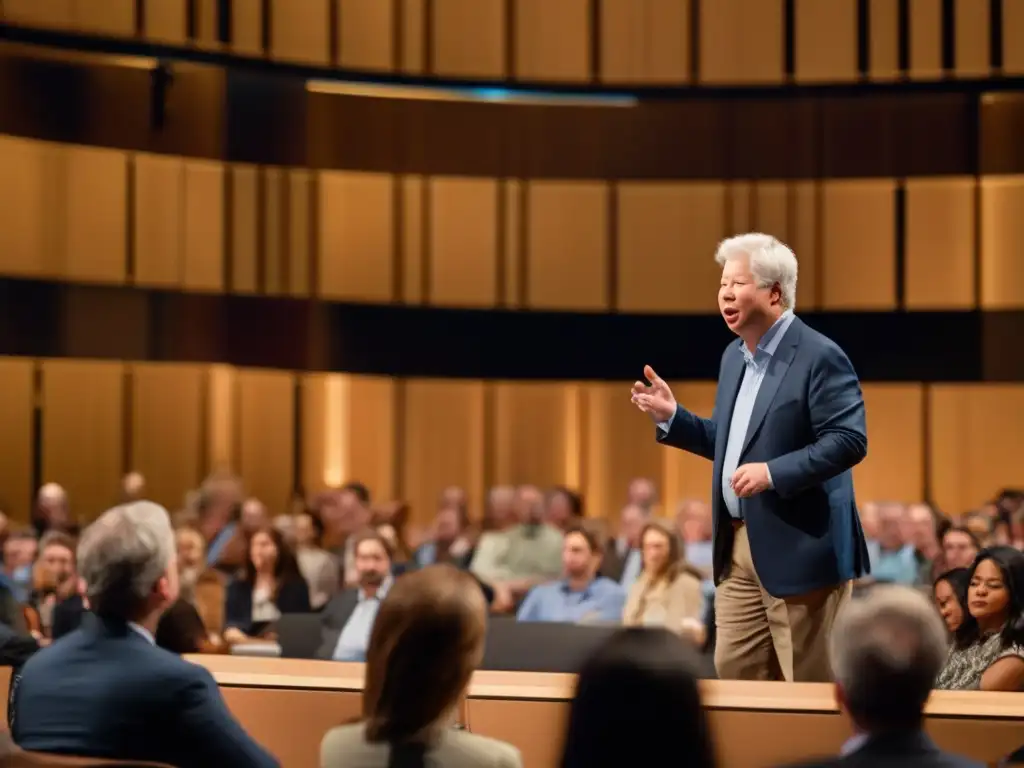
426, 641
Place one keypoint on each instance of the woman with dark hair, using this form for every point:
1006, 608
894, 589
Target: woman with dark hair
668, 592
641, 681
271, 585
988, 652
950, 594
427, 640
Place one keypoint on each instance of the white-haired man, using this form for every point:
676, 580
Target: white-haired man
106, 690
788, 426
886, 652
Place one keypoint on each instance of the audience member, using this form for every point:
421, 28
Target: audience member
622, 558
218, 506
988, 652
202, 586
637, 703
892, 557
886, 649
447, 542
319, 568
694, 523
580, 595
668, 593
19, 552
922, 535
271, 585
133, 487
642, 492
348, 618
563, 508
105, 690
344, 513
52, 511
950, 593
959, 547
426, 643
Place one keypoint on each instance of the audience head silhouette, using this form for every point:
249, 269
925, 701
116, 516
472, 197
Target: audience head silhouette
636, 702
887, 649
128, 561
426, 642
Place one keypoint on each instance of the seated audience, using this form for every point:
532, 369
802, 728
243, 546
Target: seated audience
622, 558
271, 585
426, 643
19, 552
982, 526
447, 542
390, 520
959, 547
349, 617
637, 703
892, 557
55, 577
516, 559
950, 593
668, 593
319, 568
105, 690
886, 650
344, 512
563, 508
580, 595
693, 523
922, 534
988, 651
201, 586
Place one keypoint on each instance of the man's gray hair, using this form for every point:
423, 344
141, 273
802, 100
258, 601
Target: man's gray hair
887, 648
123, 554
771, 262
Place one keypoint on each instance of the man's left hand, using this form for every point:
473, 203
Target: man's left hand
750, 480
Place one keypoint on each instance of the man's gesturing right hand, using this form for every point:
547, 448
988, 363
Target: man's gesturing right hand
656, 400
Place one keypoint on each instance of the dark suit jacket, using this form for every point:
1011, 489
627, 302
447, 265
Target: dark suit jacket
897, 750
106, 691
612, 563
292, 597
333, 618
808, 425
1017, 758
180, 629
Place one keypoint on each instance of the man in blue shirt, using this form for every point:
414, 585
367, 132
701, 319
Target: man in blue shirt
580, 596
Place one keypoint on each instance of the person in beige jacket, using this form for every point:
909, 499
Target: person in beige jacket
668, 592
427, 640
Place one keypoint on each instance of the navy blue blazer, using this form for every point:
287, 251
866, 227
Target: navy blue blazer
105, 691
808, 425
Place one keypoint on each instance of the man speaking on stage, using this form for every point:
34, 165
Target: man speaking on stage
787, 428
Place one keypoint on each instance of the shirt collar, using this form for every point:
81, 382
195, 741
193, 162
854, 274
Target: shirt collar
585, 592
772, 338
853, 743
382, 590
142, 631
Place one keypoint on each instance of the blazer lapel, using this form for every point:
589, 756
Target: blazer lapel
728, 388
778, 367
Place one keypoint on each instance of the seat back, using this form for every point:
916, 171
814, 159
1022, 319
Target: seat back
298, 634
514, 646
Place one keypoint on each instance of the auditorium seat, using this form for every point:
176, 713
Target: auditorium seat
527, 646
298, 634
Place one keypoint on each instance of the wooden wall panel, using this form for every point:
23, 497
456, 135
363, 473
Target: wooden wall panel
974, 442
973, 31
412, 191
83, 431
469, 38
348, 432
1002, 232
536, 438
356, 236
645, 41
884, 39
514, 199
1013, 33
300, 30
826, 41
894, 467
159, 211
111, 17
273, 224
668, 233
25, 204
567, 259
16, 411
247, 26
301, 243
221, 418
245, 221
442, 442
552, 40
265, 435
859, 257
686, 476
203, 236
940, 244
413, 54
926, 40
365, 34
618, 446
96, 192
206, 23
788, 210
167, 428
165, 21
464, 242
741, 41
56, 13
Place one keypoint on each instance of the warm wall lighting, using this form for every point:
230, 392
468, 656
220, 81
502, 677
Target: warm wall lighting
336, 404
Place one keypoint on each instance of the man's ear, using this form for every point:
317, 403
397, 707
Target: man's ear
162, 588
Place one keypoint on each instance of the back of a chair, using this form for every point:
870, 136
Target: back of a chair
514, 646
298, 634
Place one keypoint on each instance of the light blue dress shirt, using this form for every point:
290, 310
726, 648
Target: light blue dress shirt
603, 600
754, 368
631, 568
893, 566
355, 635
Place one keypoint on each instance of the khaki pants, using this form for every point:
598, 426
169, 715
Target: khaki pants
760, 637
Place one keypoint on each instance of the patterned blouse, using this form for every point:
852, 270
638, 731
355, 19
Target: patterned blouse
964, 667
